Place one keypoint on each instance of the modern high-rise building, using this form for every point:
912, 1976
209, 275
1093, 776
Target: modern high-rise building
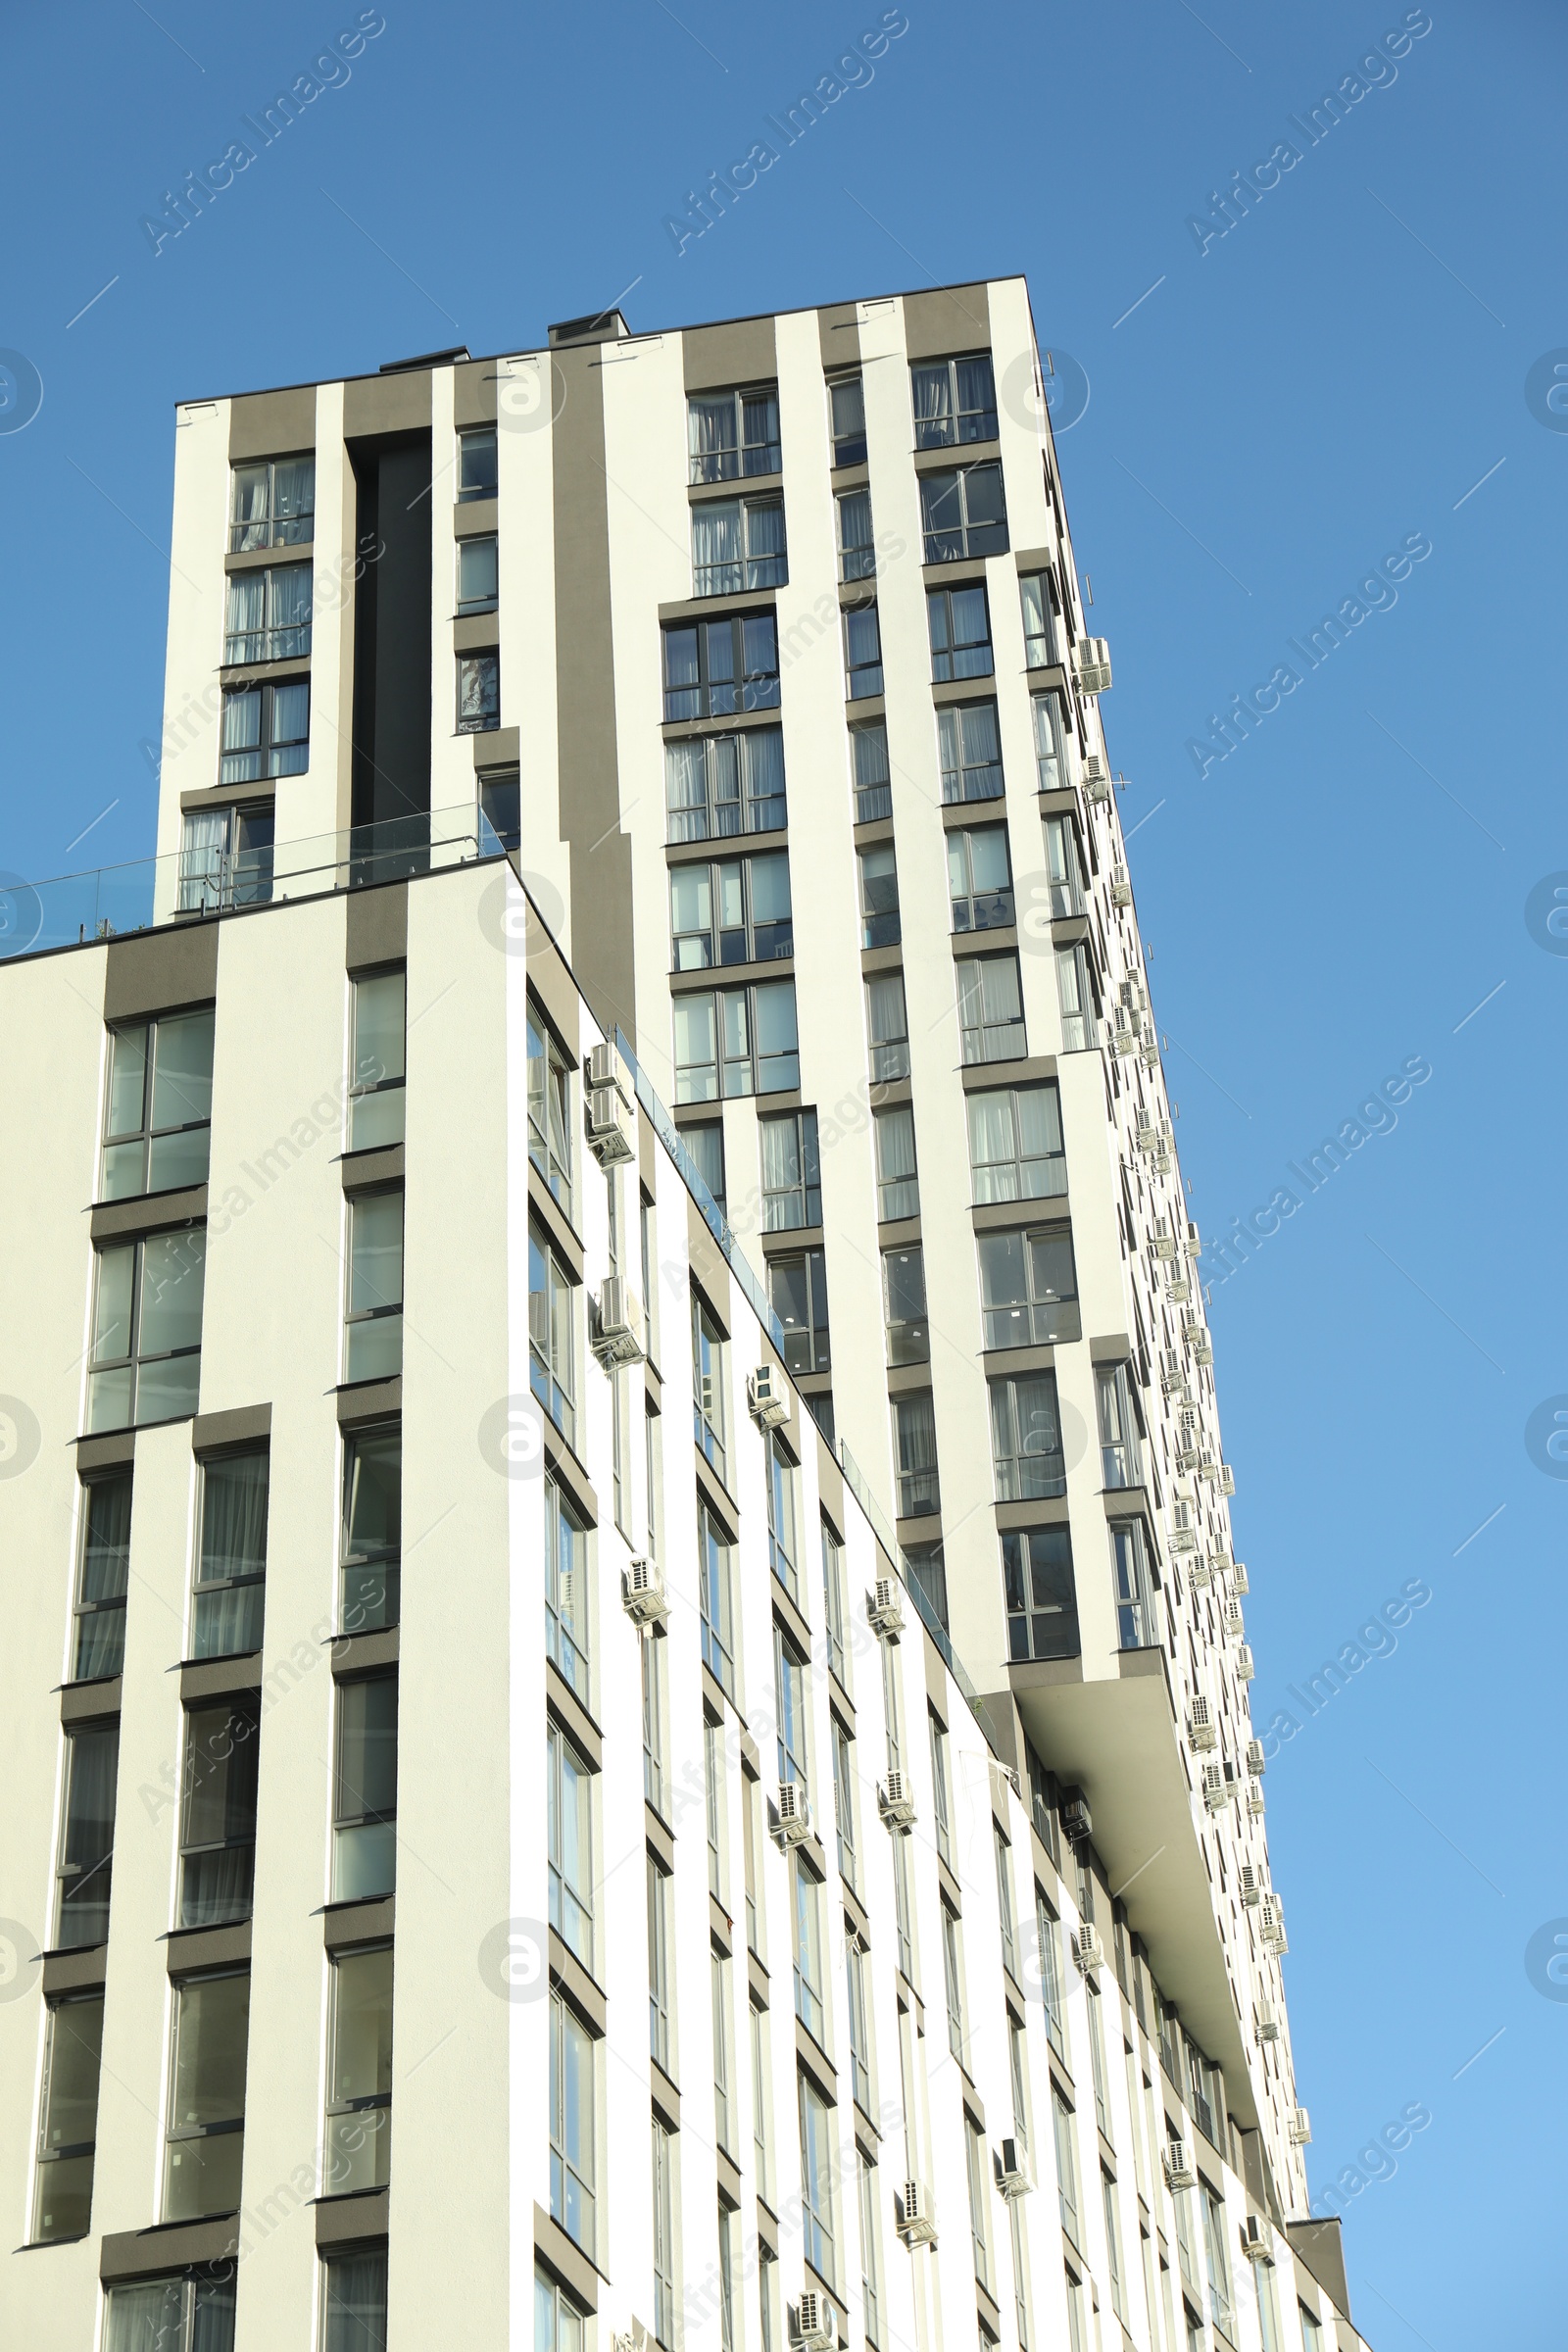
709, 719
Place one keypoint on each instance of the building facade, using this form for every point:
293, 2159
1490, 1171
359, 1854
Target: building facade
738, 748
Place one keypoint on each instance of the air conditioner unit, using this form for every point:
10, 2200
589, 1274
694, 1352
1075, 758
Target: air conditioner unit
1244, 1668
1233, 1621
1178, 2163
1202, 1730
1150, 1050
1195, 1240
1091, 662
610, 1136
816, 2327
1178, 1290
1216, 1795
1097, 779
1257, 2243
1227, 1478
1221, 1562
1162, 1242
1197, 1572
1195, 1333
1298, 2127
767, 1396
642, 1593
793, 1812
1251, 1886
1208, 1466
1147, 1136
1266, 2022
1087, 1952
1012, 2170
1076, 1823
1121, 890
917, 2220
623, 2342
619, 1334
607, 1067
1256, 1804
1238, 1576
1173, 1375
894, 1801
1183, 1533
884, 1605
1271, 1925
1123, 1038
1256, 1761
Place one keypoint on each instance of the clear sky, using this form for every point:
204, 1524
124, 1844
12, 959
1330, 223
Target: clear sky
1344, 375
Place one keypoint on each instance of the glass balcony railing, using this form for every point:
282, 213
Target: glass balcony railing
74, 909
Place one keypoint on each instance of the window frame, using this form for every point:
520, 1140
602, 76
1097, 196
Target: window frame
972, 536
715, 1575
550, 1134
888, 1051
553, 1336
808, 1335
758, 570
345, 2138
907, 1336
100, 1658
1013, 1483
570, 1843
769, 939
881, 917
966, 776
817, 2214
131, 1365
857, 558
745, 687
873, 793
149, 1133
1039, 1319
898, 1195
734, 1009
379, 1354
709, 764
974, 909
981, 420
273, 753
220, 1770
954, 655
476, 679
177, 2136
478, 439
918, 1482
742, 399
1054, 1159
848, 446
51, 2151
463, 551
1004, 1040
371, 1120
1023, 1581
863, 651
355, 1857
574, 2126
274, 526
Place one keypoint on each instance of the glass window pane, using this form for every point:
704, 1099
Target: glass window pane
127, 1082
174, 1268
376, 1273
379, 1025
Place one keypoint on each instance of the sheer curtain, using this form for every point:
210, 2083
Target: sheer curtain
202, 859
247, 608
764, 543
933, 407
716, 548
289, 596
686, 791
765, 779
898, 1188
916, 1427
710, 438
89, 1838
993, 1148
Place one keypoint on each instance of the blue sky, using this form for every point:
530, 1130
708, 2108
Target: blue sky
1270, 414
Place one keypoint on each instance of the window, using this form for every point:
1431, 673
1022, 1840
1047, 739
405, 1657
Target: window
103, 1572
954, 401
879, 898
939, 1789
792, 1191
735, 913
808, 1986
925, 1565
566, 1590
194, 2314
476, 465
863, 653
266, 732
873, 793
373, 1530
552, 1368
373, 1323
1042, 1599
953, 1979
843, 1802
958, 624
741, 1039
1015, 1148
364, 1805
789, 1685
158, 1108
969, 752
903, 1909
980, 878
796, 1291
268, 616
737, 545
274, 505
358, 2089
354, 2302
226, 859
909, 1335
1026, 1437
1076, 992
653, 1719
1050, 769
898, 1184
1311, 2330
381, 1061
708, 1383
550, 1111
975, 2151
715, 668
572, 1855
717, 786
1120, 1455
963, 514
1107, 2190
847, 404
857, 543
664, 2186
914, 1434
87, 1838
478, 574
1219, 2277
989, 1008
1009, 1953
1130, 1583
859, 2023
1037, 594
731, 434
478, 693
1063, 873
833, 1607
572, 2125
706, 1147
500, 812
659, 1941
817, 2179
217, 1824
68, 2119
1066, 2162
783, 1546
723, 2104
1096, 2058
205, 2140
1268, 2310
1050, 1974
718, 1638
759, 2097
1028, 1286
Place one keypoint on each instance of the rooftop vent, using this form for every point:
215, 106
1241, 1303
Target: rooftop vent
425, 358
599, 326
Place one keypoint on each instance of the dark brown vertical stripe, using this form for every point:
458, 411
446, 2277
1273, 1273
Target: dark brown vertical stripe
585, 697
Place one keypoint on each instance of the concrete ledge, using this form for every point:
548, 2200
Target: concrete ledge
568, 1975
351, 2220
172, 2246
570, 2264
365, 1172
572, 1716
218, 1678
190, 1949
149, 1212
345, 1925
245, 1424
369, 1400
90, 1702
364, 1653
76, 1972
